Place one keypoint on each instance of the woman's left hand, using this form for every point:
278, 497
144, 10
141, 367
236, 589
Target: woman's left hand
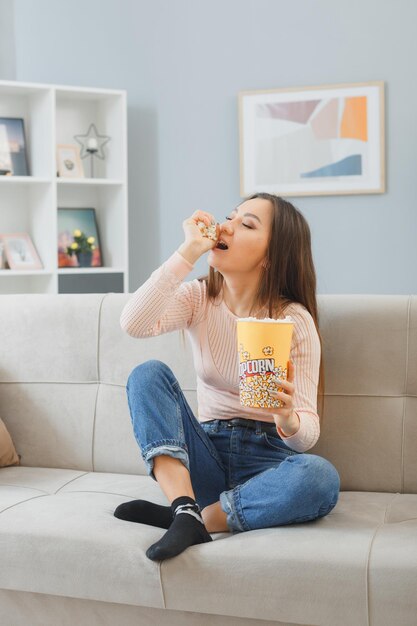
285, 417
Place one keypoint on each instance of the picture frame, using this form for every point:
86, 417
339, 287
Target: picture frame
69, 164
13, 149
71, 219
20, 253
316, 140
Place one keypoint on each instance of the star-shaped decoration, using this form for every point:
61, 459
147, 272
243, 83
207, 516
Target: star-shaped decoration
92, 140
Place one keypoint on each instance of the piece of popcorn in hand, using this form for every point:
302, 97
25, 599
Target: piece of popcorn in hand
208, 231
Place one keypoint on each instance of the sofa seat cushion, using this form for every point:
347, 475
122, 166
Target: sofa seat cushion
58, 536
354, 566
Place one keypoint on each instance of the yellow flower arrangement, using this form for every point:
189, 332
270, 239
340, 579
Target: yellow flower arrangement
81, 243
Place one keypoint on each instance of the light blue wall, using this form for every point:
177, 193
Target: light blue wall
7, 44
183, 63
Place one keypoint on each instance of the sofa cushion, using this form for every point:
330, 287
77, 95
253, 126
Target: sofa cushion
58, 536
69, 406
8, 454
84, 427
354, 566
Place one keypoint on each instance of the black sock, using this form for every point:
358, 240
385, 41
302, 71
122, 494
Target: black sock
145, 512
187, 529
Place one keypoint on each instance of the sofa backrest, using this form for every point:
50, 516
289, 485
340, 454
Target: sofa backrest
64, 363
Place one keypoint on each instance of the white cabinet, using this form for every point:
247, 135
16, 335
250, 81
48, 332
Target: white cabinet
54, 114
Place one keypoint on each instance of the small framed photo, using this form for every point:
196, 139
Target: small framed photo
20, 252
13, 154
69, 163
306, 141
78, 238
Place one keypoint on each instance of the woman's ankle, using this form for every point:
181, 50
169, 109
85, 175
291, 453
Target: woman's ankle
215, 518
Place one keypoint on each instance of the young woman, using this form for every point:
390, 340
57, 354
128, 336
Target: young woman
233, 468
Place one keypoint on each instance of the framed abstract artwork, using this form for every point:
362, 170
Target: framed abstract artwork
308, 141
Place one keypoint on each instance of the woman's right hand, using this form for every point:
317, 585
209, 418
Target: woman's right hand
195, 243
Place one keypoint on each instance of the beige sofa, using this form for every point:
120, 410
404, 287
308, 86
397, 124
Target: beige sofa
66, 560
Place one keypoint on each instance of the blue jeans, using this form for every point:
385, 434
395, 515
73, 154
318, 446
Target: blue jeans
259, 480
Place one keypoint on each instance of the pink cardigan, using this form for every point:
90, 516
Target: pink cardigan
165, 303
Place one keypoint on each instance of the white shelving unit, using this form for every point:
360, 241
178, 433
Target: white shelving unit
52, 115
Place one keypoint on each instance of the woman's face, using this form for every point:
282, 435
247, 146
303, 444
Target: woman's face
246, 234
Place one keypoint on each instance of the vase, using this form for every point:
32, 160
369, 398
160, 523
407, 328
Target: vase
84, 259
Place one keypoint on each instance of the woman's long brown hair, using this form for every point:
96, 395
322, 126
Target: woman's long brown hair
290, 277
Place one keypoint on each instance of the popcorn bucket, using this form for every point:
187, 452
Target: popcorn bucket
264, 351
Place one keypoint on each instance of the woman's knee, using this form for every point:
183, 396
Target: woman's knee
148, 374
332, 480
324, 477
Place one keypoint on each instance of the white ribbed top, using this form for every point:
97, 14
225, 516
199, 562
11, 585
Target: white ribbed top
165, 303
